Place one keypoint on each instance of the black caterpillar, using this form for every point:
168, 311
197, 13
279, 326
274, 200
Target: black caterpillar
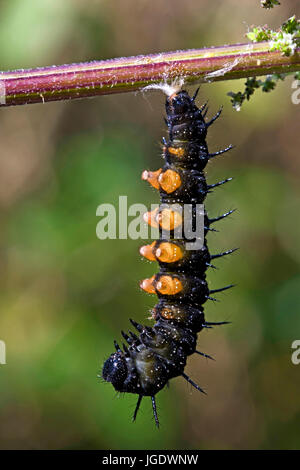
159, 353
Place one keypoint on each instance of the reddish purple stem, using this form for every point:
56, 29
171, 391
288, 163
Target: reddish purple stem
134, 73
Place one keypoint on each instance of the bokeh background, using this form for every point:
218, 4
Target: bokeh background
65, 295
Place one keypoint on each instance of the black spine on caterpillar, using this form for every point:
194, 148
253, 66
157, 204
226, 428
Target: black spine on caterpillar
157, 354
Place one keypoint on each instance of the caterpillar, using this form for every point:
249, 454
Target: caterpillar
159, 353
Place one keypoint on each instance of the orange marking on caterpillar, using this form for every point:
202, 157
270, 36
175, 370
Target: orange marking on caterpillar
168, 252
152, 177
169, 219
147, 252
148, 285
179, 151
171, 312
169, 181
150, 218
168, 285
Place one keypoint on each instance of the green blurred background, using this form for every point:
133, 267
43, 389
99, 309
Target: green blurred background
65, 295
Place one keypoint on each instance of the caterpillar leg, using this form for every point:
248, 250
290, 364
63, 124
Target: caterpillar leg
205, 355
213, 291
210, 323
155, 411
195, 94
189, 380
228, 252
215, 154
215, 185
209, 123
204, 109
137, 407
216, 219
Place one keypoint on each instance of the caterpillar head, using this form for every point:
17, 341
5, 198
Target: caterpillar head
115, 370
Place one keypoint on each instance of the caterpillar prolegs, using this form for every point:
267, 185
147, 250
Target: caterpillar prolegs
159, 353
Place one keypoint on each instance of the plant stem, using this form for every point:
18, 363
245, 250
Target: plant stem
134, 73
